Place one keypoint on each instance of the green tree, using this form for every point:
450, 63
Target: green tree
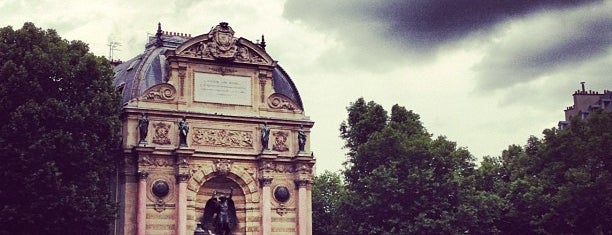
560, 184
59, 128
328, 192
401, 181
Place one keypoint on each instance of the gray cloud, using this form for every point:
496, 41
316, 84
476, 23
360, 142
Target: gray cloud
418, 25
429, 23
555, 43
383, 34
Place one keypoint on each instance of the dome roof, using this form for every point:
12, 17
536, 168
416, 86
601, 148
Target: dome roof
135, 76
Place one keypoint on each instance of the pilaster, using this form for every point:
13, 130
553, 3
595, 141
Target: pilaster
143, 155
182, 176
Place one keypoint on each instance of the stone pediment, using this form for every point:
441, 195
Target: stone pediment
220, 44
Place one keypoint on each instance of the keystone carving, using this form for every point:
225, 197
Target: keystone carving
222, 166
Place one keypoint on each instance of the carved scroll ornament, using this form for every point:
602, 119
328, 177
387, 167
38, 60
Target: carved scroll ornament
160, 93
279, 101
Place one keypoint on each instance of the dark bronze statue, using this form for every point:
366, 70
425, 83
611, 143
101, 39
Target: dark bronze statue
183, 131
220, 214
301, 139
143, 128
265, 136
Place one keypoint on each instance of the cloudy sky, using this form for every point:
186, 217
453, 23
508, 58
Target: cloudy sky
484, 73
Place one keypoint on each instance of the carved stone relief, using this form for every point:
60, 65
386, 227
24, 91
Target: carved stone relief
160, 93
279, 101
161, 133
269, 167
246, 55
221, 44
222, 166
280, 141
155, 161
223, 138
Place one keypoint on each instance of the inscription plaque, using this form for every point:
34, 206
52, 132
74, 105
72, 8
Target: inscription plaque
222, 89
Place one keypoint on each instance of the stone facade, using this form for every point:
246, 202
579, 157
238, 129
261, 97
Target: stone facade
226, 89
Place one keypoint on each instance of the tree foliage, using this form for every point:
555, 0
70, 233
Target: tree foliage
328, 192
400, 180
60, 125
560, 184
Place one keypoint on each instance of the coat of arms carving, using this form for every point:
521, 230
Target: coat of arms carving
161, 133
222, 44
280, 141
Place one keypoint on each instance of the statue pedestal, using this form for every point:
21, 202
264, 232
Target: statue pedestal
304, 154
268, 154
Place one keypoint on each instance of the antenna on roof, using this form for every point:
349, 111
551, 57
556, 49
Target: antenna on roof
112, 47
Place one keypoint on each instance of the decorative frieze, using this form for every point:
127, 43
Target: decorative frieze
302, 183
223, 138
155, 161
269, 167
302, 168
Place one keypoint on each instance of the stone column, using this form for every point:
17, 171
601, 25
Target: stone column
303, 218
141, 214
181, 204
266, 216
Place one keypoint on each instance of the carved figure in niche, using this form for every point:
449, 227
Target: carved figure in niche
183, 131
280, 141
265, 136
143, 128
301, 138
220, 214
